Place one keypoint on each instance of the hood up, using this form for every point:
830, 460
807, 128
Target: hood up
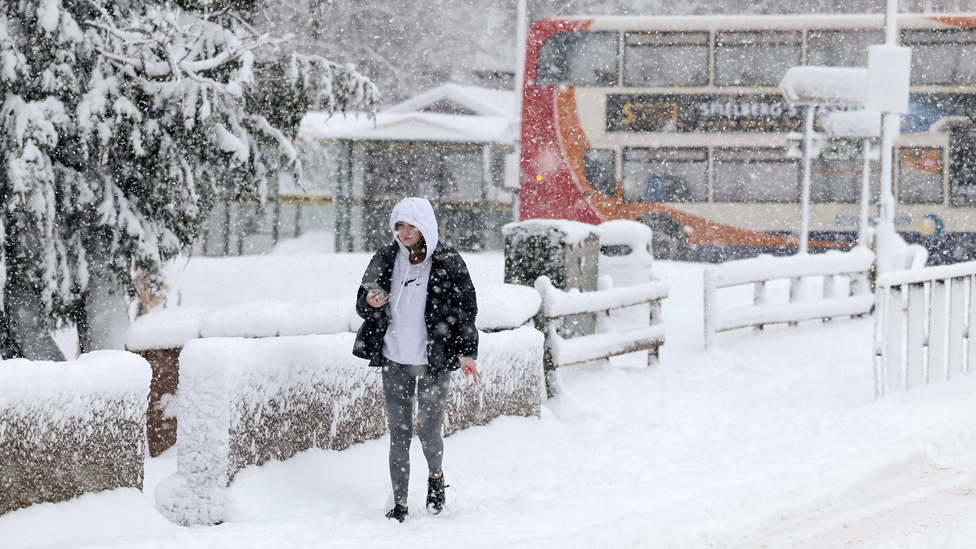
419, 213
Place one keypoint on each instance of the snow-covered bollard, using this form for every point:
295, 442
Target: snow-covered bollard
247, 401
67, 428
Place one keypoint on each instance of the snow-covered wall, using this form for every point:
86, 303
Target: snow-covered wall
246, 401
67, 428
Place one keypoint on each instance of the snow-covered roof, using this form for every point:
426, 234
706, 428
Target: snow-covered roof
450, 112
477, 101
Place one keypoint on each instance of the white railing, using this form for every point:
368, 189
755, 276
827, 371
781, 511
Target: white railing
923, 326
854, 265
558, 304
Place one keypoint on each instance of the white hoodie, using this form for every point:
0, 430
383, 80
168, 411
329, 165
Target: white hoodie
406, 338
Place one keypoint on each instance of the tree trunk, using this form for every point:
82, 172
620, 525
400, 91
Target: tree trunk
27, 334
102, 316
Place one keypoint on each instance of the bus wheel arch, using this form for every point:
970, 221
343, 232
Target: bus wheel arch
669, 241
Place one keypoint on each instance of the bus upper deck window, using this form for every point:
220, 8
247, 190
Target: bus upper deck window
666, 59
584, 59
599, 166
841, 48
942, 57
920, 176
755, 58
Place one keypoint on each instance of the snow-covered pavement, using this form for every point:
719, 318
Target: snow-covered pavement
772, 440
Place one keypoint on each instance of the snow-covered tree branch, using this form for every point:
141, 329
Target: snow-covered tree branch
121, 128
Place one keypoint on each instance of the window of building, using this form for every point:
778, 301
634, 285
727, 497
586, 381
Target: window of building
755, 58
578, 59
665, 175
755, 175
666, 59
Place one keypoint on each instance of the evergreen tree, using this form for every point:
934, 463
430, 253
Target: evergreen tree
121, 127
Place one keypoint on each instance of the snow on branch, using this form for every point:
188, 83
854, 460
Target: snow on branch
168, 44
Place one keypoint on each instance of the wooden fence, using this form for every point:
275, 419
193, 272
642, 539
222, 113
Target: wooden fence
854, 265
923, 326
558, 304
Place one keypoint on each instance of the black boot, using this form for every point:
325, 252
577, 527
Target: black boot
435, 494
399, 512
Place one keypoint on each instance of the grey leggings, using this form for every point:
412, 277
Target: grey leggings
399, 383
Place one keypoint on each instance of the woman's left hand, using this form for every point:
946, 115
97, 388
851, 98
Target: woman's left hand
470, 368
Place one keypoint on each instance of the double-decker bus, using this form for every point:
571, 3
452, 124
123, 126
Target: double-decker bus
678, 122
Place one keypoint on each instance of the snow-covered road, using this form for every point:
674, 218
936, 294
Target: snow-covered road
772, 440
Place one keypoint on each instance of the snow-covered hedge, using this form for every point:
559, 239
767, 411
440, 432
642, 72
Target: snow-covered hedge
67, 428
246, 401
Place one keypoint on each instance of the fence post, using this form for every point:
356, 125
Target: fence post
709, 293
957, 325
971, 326
653, 355
759, 297
795, 289
891, 337
544, 324
937, 332
915, 374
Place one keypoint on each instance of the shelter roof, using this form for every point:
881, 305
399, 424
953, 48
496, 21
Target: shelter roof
451, 112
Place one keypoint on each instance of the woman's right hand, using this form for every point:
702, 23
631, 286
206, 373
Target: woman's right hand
376, 299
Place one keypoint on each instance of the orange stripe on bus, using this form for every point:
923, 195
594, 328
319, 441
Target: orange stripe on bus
961, 21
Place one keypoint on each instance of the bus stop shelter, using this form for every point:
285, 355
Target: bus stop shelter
453, 145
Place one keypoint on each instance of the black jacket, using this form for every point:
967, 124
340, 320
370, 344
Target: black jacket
449, 314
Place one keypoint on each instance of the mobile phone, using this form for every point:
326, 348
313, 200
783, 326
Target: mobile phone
374, 287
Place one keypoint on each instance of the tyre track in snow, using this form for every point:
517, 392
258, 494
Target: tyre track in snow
923, 510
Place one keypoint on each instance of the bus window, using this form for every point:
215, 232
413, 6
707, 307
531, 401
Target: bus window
599, 166
835, 177
578, 59
847, 48
920, 177
755, 175
755, 58
666, 59
942, 57
665, 175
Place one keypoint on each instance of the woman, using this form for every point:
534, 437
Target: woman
419, 308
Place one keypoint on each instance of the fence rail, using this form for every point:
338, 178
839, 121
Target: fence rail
923, 326
558, 304
854, 265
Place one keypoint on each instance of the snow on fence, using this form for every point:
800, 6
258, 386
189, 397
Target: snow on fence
246, 401
854, 265
923, 329
67, 428
558, 304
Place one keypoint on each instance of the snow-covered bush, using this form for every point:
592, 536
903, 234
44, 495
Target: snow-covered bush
67, 428
122, 125
246, 401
